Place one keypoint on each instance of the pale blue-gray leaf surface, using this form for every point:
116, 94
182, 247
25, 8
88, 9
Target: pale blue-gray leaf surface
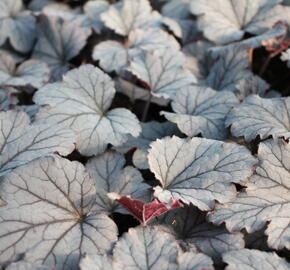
266, 199
81, 101
201, 110
262, 117
21, 142
251, 259
48, 214
162, 71
30, 72
110, 175
17, 25
224, 21
201, 176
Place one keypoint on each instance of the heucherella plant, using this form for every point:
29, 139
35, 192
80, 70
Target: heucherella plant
144, 135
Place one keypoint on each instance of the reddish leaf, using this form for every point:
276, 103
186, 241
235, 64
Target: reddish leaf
142, 211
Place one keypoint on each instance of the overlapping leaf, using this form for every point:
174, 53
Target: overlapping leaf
48, 214
260, 116
58, 42
248, 259
225, 21
189, 225
198, 59
116, 56
110, 176
231, 66
93, 9
26, 266
266, 199
16, 25
202, 175
129, 15
176, 9
81, 102
150, 248
150, 132
201, 110
162, 71
135, 92
30, 72
97, 262
21, 143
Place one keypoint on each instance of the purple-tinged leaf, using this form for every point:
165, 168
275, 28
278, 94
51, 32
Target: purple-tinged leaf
142, 211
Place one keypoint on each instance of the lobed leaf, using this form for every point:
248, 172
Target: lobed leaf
266, 198
48, 214
21, 142
110, 175
260, 116
201, 110
81, 102
203, 175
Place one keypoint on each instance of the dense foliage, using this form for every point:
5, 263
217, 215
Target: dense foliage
150, 135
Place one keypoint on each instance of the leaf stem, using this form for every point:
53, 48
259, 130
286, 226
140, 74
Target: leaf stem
146, 108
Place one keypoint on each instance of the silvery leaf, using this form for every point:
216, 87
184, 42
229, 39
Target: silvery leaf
193, 261
48, 214
225, 21
251, 259
116, 56
201, 110
261, 116
93, 9
176, 9
146, 248
202, 176
58, 42
22, 265
81, 101
97, 262
30, 72
21, 142
16, 25
135, 92
110, 175
162, 71
128, 15
266, 198
251, 85
231, 66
